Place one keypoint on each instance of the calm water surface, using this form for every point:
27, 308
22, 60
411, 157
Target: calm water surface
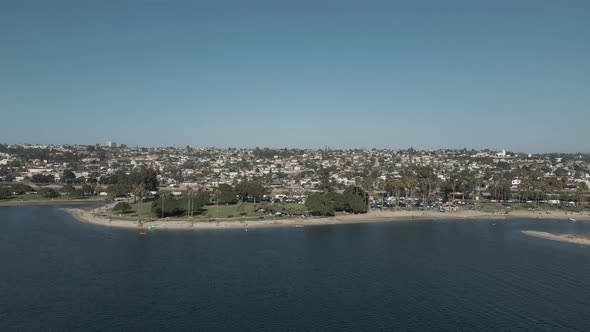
60, 274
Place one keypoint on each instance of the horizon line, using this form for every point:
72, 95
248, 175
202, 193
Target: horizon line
326, 147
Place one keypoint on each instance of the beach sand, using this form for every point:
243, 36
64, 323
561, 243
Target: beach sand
373, 216
570, 238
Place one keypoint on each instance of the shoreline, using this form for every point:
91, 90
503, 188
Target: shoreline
569, 238
13, 202
370, 217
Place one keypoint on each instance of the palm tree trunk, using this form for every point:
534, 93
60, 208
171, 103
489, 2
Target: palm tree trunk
139, 211
188, 206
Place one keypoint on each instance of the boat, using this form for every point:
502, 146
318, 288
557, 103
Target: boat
142, 233
299, 225
572, 219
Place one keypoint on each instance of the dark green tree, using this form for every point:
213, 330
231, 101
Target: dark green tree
226, 194
253, 189
67, 189
48, 192
336, 200
42, 178
319, 204
67, 176
122, 207
20, 188
87, 189
356, 200
5, 193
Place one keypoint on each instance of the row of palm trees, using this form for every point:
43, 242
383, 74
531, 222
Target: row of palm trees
140, 194
468, 183
427, 187
539, 189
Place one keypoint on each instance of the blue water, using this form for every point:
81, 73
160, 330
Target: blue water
60, 274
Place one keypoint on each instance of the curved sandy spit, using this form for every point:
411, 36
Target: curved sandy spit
570, 238
381, 216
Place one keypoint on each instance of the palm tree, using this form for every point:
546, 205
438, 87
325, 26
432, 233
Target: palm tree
410, 186
190, 193
499, 182
189, 197
164, 195
241, 209
395, 186
524, 190
140, 194
582, 189
477, 183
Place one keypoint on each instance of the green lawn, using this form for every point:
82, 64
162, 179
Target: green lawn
231, 211
228, 211
146, 212
209, 212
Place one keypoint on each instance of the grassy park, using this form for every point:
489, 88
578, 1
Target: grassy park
212, 212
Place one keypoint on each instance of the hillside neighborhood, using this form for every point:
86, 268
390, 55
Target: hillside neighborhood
392, 178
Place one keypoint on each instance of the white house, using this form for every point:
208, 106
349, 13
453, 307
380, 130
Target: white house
516, 182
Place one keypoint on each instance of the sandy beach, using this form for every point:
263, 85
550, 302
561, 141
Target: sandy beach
373, 216
570, 238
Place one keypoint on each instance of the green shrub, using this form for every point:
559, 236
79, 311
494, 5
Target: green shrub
48, 192
122, 207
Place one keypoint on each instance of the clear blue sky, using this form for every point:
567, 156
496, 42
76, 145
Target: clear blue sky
428, 74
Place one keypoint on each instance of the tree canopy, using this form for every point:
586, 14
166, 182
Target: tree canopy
123, 183
42, 178
67, 176
5, 193
226, 194
48, 192
20, 188
122, 207
252, 189
178, 206
354, 199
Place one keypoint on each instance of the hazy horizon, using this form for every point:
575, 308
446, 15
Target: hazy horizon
330, 148
344, 74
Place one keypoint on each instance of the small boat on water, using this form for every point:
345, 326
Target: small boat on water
299, 225
142, 233
572, 219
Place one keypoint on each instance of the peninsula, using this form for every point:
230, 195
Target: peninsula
583, 239
86, 215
